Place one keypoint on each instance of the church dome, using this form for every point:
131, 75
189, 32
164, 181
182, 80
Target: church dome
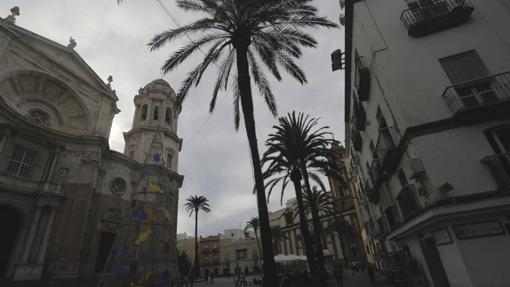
159, 86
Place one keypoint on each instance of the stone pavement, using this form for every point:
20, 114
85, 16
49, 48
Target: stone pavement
357, 280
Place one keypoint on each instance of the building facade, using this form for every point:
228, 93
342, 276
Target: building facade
225, 254
427, 101
63, 191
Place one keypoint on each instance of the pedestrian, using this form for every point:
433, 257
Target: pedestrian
371, 273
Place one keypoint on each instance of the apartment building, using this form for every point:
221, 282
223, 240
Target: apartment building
427, 113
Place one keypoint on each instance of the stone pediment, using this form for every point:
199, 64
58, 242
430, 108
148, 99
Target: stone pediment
64, 56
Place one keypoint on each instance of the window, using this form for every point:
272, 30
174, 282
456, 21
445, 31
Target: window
39, 117
143, 116
168, 116
156, 113
22, 162
169, 158
464, 67
462, 70
241, 253
499, 138
118, 186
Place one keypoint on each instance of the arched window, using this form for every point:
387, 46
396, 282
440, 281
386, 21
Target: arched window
168, 116
156, 113
143, 116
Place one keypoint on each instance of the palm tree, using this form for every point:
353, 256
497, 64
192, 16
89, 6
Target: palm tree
254, 225
317, 202
247, 32
295, 146
193, 205
343, 229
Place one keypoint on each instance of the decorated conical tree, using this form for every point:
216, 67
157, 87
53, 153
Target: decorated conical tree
145, 246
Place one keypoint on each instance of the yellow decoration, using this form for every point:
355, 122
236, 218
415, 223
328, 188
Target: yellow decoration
143, 236
166, 213
150, 213
154, 187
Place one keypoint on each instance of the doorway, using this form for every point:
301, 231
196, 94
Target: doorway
103, 250
434, 263
10, 222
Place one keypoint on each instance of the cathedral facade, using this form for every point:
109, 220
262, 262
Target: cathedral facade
63, 192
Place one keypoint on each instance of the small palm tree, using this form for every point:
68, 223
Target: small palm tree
296, 145
254, 225
248, 33
193, 205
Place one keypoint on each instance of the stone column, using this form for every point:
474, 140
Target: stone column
31, 234
46, 236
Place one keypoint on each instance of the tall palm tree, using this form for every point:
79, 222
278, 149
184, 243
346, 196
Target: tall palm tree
193, 205
295, 146
254, 225
249, 33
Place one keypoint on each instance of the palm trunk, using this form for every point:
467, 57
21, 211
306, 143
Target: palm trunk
195, 263
243, 81
314, 272
316, 226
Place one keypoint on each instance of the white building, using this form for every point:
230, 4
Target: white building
427, 112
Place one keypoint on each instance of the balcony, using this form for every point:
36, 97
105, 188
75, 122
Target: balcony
482, 99
357, 140
362, 81
499, 165
436, 16
372, 192
387, 149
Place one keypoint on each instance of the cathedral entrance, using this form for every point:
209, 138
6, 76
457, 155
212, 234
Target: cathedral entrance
10, 223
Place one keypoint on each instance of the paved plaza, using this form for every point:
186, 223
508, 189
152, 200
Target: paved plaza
350, 280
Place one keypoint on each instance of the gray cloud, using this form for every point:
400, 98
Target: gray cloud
215, 159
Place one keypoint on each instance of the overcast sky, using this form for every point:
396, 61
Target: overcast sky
215, 159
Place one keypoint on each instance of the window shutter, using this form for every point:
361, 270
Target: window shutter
464, 67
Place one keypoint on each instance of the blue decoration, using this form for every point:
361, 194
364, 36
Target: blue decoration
157, 157
144, 216
118, 272
114, 253
165, 274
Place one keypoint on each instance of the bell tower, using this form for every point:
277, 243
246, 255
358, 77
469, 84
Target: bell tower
157, 108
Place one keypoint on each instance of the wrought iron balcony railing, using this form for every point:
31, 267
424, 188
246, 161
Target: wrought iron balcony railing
480, 99
499, 165
387, 149
435, 16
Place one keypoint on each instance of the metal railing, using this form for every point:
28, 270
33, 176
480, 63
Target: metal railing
499, 165
478, 93
429, 12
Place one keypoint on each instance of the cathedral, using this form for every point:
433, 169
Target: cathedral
74, 212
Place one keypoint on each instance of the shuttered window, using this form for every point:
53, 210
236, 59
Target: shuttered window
464, 67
